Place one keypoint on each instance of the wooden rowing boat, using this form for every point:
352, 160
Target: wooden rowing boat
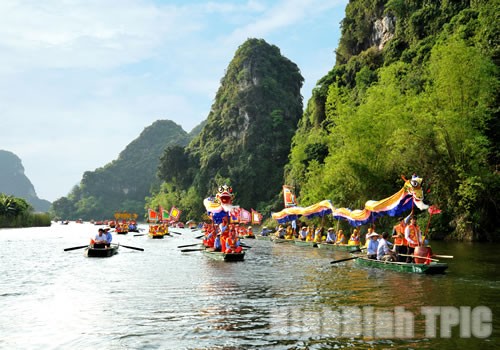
429, 269
306, 243
158, 235
282, 240
104, 252
339, 247
224, 256
263, 238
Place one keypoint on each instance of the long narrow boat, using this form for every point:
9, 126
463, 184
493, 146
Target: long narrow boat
429, 269
105, 252
283, 240
263, 238
339, 247
158, 235
224, 256
305, 243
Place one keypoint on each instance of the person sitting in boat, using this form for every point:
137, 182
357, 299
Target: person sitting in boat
372, 247
413, 236
233, 244
289, 232
354, 239
303, 233
331, 237
209, 240
383, 251
250, 231
217, 243
100, 239
400, 242
340, 237
318, 235
281, 232
310, 234
368, 232
265, 231
109, 236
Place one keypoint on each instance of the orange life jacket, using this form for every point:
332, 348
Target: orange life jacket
400, 238
413, 235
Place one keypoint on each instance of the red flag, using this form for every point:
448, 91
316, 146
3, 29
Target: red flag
433, 210
152, 215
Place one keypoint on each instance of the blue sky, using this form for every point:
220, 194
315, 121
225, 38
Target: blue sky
80, 79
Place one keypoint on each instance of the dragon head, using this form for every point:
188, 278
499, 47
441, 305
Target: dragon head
414, 186
225, 195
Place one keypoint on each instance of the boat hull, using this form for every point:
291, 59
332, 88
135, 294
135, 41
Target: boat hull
339, 247
223, 256
428, 269
306, 244
101, 252
263, 238
283, 240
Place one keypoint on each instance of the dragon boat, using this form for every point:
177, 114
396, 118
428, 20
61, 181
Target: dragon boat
339, 247
432, 268
229, 257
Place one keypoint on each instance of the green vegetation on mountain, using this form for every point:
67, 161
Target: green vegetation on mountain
14, 182
123, 184
414, 89
246, 139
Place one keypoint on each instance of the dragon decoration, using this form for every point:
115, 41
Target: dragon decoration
221, 205
409, 196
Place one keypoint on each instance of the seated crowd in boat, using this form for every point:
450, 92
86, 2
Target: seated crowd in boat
407, 237
159, 229
223, 237
315, 235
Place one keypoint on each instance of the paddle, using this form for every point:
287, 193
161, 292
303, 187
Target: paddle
177, 233
244, 245
337, 261
188, 245
129, 247
73, 248
442, 256
140, 234
198, 237
419, 257
192, 250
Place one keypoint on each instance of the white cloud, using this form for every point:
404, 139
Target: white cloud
74, 72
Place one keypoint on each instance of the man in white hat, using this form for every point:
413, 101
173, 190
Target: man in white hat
371, 251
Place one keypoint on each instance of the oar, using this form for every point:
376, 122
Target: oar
244, 245
337, 261
140, 234
188, 245
191, 250
129, 247
442, 256
177, 233
74, 248
198, 237
418, 257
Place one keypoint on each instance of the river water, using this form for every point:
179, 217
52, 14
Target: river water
281, 297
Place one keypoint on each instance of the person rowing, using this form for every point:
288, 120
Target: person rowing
383, 251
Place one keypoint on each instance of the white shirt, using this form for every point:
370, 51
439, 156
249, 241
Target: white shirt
382, 249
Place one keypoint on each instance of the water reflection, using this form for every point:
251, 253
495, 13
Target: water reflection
280, 297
